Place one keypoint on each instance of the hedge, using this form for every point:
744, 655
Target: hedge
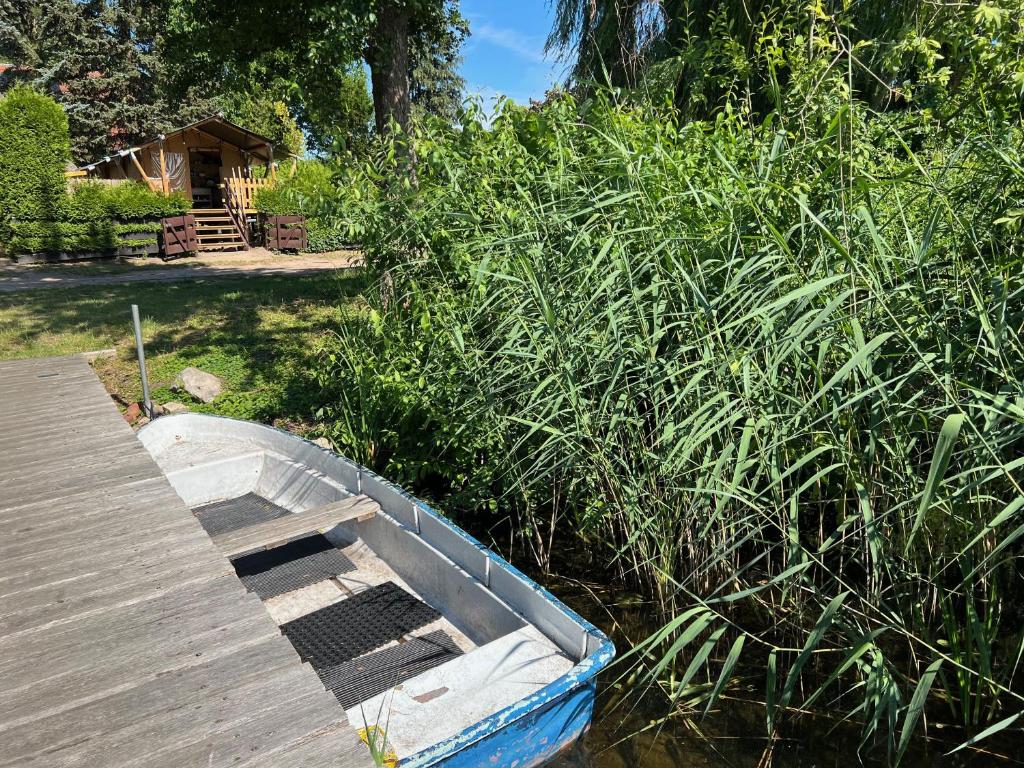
38, 214
94, 217
34, 151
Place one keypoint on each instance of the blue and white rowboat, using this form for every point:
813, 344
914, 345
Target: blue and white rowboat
514, 681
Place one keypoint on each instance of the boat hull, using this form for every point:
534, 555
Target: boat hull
486, 595
529, 742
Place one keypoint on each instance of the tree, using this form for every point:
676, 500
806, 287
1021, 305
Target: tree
34, 148
102, 60
335, 110
319, 44
602, 36
760, 54
268, 117
436, 87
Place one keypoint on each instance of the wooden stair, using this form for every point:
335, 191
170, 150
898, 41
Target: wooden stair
216, 231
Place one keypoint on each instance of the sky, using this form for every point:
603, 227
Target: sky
505, 51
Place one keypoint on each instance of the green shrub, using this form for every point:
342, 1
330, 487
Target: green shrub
333, 198
34, 150
135, 200
130, 201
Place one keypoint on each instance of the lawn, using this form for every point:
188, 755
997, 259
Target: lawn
257, 334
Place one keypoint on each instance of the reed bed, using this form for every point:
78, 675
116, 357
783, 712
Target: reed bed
769, 374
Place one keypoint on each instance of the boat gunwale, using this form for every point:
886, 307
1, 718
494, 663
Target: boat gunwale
583, 672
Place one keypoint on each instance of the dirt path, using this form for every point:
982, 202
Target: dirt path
256, 263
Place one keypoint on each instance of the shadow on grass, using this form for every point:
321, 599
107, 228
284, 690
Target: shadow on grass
257, 333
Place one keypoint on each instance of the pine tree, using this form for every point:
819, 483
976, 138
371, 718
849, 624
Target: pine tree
102, 61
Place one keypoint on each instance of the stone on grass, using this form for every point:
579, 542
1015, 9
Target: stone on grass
323, 442
198, 383
174, 407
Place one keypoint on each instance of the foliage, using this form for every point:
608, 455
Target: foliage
34, 150
105, 63
769, 373
330, 195
270, 118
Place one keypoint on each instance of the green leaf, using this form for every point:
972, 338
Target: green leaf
940, 460
916, 708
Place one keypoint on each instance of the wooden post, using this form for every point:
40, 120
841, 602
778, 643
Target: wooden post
165, 183
140, 169
295, 166
273, 173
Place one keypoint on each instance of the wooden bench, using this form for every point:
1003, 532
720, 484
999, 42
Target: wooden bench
274, 533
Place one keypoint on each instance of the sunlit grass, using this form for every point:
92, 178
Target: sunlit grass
256, 334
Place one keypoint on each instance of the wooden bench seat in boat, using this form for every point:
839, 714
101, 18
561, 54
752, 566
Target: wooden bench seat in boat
274, 533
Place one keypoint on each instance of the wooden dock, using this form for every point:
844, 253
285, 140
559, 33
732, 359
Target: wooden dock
125, 637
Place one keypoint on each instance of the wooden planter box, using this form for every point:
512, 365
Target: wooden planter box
286, 233
144, 249
178, 236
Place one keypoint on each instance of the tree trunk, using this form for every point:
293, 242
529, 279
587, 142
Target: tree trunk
388, 57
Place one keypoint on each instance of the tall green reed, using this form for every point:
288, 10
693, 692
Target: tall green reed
772, 378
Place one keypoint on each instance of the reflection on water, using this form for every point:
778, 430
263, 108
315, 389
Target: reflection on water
626, 736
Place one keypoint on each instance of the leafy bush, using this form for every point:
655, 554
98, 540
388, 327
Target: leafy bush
135, 200
34, 150
93, 218
333, 198
771, 373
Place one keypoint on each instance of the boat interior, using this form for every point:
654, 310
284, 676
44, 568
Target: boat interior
413, 626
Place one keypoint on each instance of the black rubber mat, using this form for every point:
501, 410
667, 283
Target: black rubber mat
291, 566
223, 516
357, 625
365, 677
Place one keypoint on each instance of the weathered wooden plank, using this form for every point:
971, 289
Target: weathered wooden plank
274, 533
126, 640
248, 667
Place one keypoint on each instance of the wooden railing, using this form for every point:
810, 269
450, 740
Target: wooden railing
233, 206
243, 190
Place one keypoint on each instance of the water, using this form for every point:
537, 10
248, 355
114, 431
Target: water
635, 733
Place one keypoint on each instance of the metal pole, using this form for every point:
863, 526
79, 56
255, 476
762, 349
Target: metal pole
146, 402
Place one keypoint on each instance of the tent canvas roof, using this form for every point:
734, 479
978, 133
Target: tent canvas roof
216, 126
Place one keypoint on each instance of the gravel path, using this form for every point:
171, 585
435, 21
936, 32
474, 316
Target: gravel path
29, 279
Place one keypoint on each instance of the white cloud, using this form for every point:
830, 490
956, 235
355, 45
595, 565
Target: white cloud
523, 46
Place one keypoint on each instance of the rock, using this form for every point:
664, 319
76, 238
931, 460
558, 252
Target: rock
323, 442
98, 354
200, 384
132, 413
173, 407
